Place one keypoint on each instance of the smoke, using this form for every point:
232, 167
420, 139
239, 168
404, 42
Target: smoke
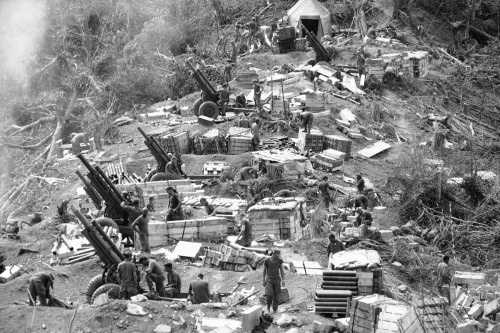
22, 25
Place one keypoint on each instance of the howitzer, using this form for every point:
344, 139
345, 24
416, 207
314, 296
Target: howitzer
91, 191
208, 105
321, 52
209, 92
107, 251
108, 192
156, 150
103, 245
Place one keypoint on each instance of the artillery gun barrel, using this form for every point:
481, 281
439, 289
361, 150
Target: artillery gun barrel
109, 255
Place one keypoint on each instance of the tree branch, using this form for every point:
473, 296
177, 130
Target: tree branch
10, 145
19, 129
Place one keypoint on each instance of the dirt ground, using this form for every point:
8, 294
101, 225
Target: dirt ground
71, 281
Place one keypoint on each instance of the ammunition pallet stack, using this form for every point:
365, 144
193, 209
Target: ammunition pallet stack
214, 168
340, 280
334, 302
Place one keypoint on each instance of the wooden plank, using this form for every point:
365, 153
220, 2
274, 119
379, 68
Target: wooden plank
187, 249
374, 149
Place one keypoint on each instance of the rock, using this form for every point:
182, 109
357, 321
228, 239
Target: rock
162, 329
221, 316
397, 264
101, 300
136, 310
176, 306
139, 298
178, 320
299, 323
403, 288
432, 234
293, 330
43, 325
318, 327
197, 313
284, 321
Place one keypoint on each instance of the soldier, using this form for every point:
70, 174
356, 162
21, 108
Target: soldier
199, 291
127, 276
76, 141
359, 201
172, 166
323, 187
210, 210
173, 287
39, 285
265, 321
154, 274
360, 183
134, 212
98, 131
142, 229
241, 101
174, 205
255, 135
245, 236
306, 119
247, 173
257, 92
363, 215
274, 279
224, 99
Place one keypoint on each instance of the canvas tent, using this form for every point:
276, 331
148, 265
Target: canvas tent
311, 15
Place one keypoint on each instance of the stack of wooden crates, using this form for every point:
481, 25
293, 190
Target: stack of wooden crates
312, 141
375, 313
177, 143
207, 229
282, 220
339, 143
224, 257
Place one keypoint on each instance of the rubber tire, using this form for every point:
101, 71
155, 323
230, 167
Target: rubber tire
105, 288
107, 222
196, 106
311, 62
165, 176
209, 109
93, 285
151, 174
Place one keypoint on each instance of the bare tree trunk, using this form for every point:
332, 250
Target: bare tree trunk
60, 124
219, 11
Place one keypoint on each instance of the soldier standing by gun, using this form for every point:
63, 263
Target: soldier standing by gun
127, 276
133, 213
142, 229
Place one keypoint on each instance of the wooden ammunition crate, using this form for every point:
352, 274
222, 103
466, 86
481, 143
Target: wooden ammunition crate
313, 141
177, 143
339, 143
239, 145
